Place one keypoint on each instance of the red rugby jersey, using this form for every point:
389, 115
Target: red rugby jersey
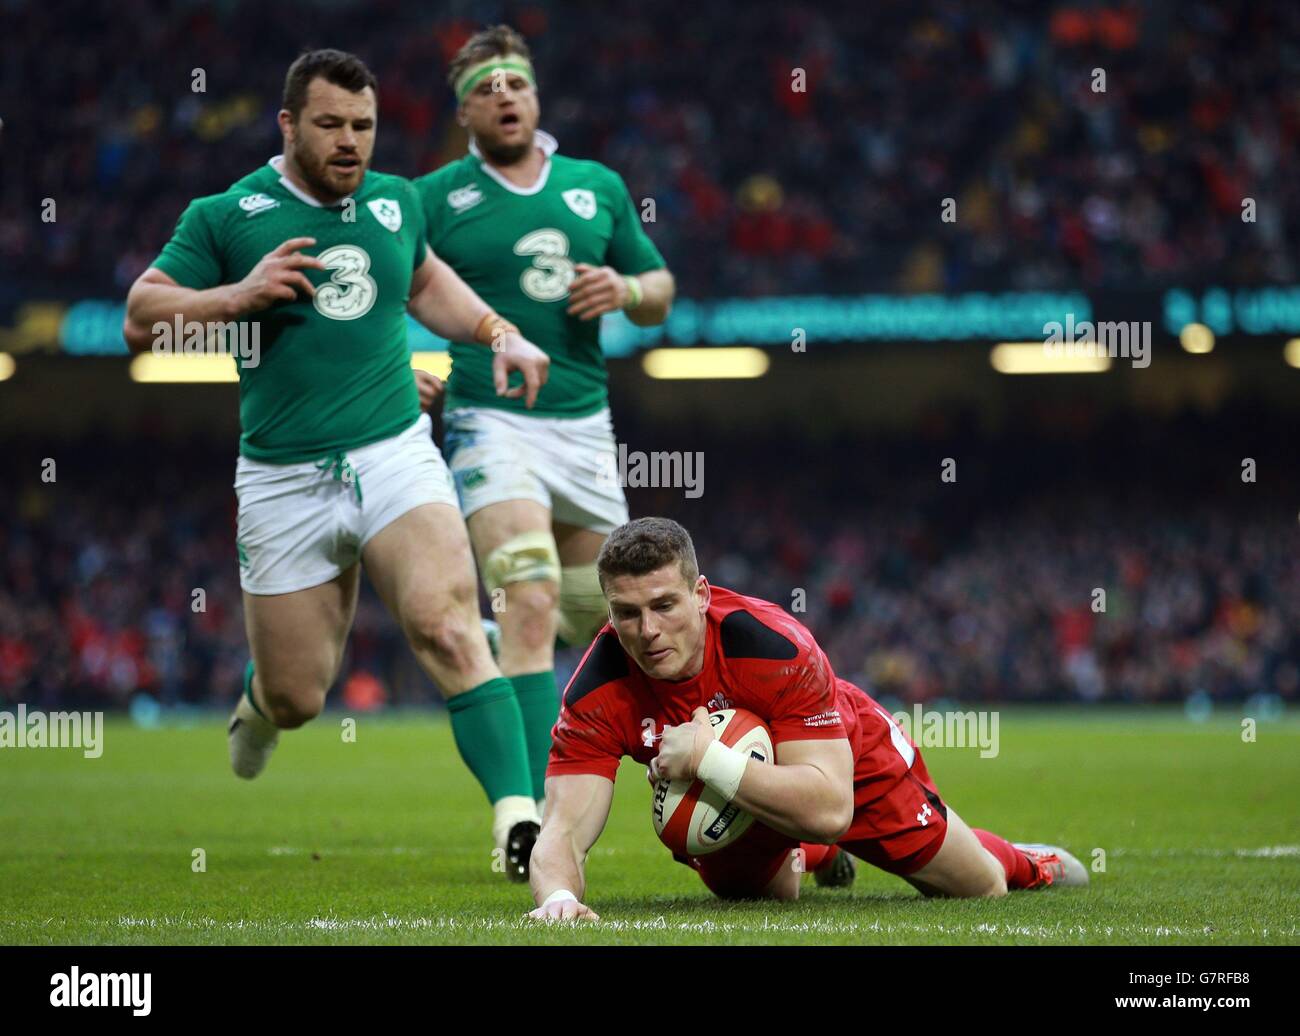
756, 657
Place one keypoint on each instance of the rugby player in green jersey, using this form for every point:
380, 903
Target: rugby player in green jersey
337, 467
552, 243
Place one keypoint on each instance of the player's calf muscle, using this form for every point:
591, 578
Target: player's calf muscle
291, 690
292, 705
962, 867
297, 643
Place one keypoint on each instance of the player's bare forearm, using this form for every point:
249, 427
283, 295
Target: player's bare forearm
156, 298
812, 802
556, 864
596, 290
657, 292
444, 303
278, 277
577, 807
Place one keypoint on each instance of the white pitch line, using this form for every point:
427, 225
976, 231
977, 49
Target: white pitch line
1263, 852
1266, 852
455, 850
449, 924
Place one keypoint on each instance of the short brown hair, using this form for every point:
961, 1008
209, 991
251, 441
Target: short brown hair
495, 42
334, 66
646, 544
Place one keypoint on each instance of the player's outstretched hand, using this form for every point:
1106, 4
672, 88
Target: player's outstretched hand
429, 386
564, 910
595, 291
514, 352
682, 747
277, 277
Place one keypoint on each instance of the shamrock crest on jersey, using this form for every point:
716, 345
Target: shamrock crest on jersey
388, 212
581, 201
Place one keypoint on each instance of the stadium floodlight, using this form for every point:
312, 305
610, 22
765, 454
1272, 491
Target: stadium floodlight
170, 369
1196, 338
1037, 358
730, 362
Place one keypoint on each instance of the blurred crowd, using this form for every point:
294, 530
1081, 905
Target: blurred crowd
119, 575
789, 147
1129, 564
1126, 562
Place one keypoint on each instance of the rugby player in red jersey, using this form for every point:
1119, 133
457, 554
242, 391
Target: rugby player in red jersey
846, 779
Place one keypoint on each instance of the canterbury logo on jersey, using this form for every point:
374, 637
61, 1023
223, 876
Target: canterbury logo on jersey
255, 203
388, 212
463, 198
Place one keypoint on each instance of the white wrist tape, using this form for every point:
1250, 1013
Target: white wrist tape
721, 769
559, 896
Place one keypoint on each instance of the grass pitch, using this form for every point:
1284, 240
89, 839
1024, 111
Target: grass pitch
385, 840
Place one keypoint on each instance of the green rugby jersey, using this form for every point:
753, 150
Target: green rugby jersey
517, 248
334, 372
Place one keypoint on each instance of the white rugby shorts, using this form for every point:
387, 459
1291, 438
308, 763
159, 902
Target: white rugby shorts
566, 464
301, 525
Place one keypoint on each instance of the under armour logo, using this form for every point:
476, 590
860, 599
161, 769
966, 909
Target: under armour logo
923, 816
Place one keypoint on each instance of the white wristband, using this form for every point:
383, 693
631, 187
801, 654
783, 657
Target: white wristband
721, 769
559, 896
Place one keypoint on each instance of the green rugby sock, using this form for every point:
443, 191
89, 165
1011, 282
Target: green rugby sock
248, 689
539, 701
489, 732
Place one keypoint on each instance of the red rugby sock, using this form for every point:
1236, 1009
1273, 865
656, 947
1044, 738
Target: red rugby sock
815, 856
1021, 870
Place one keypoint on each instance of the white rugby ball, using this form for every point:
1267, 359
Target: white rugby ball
693, 820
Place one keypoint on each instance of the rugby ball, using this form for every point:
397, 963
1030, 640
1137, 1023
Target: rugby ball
693, 820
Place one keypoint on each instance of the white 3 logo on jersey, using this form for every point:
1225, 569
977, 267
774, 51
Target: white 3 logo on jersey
549, 277
350, 291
